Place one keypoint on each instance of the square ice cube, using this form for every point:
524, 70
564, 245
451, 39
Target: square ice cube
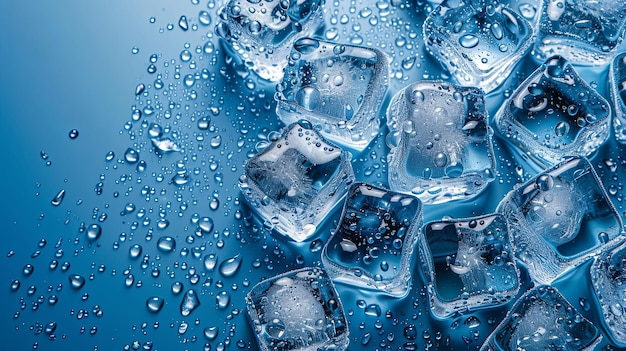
298, 310
297, 180
478, 41
468, 264
617, 77
608, 274
373, 244
560, 218
542, 319
339, 88
262, 32
583, 31
554, 114
440, 142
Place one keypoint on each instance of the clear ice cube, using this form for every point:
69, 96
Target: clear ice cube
608, 274
373, 244
478, 41
542, 319
554, 114
296, 181
262, 32
298, 310
617, 77
339, 88
440, 142
560, 219
468, 264
583, 31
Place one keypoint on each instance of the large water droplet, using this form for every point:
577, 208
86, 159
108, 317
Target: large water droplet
155, 303
230, 267
468, 41
222, 300
131, 155
190, 302
76, 281
93, 232
166, 244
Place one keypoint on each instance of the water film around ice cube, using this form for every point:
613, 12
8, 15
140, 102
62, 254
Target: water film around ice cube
478, 41
373, 244
261, 33
561, 218
296, 181
542, 319
585, 32
298, 311
440, 142
338, 87
554, 114
468, 264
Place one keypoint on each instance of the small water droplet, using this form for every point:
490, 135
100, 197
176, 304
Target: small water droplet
58, 198
76, 281
73, 134
166, 244
155, 304
182, 23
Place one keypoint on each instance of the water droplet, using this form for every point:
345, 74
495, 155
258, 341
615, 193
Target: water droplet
166, 244
206, 224
229, 267
131, 155
58, 198
73, 134
15, 285
93, 232
182, 23
211, 333
469, 41
28, 269
561, 128
190, 302
204, 18
222, 300
76, 281
210, 261
155, 304
135, 251
109, 156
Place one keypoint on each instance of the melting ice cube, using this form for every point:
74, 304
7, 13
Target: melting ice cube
468, 264
560, 219
298, 310
554, 114
373, 244
340, 88
478, 41
440, 142
296, 181
262, 32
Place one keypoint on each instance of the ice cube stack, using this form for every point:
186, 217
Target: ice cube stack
440, 151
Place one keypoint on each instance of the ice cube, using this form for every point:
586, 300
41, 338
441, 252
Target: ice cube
478, 41
617, 76
440, 142
583, 31
298, 310
296, 181
468, 264
560, 218
339, 88
542, 319
554, 114
262, 32
373, 244
608, 274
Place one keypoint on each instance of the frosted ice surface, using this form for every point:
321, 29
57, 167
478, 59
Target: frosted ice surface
340, 88
373, 244
478, 41
583, 31
262, 32
468, 264
298, 310
543, 320
440, 142
561, 218
554, 114
296, 181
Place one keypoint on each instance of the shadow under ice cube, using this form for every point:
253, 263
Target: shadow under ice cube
560, 219
617, 77
478, 41
468, 264
554, 114
583, 31
298, 310
262, 32
340, 88
542, 319
296, 181
608, 274
373, 244
440, 142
